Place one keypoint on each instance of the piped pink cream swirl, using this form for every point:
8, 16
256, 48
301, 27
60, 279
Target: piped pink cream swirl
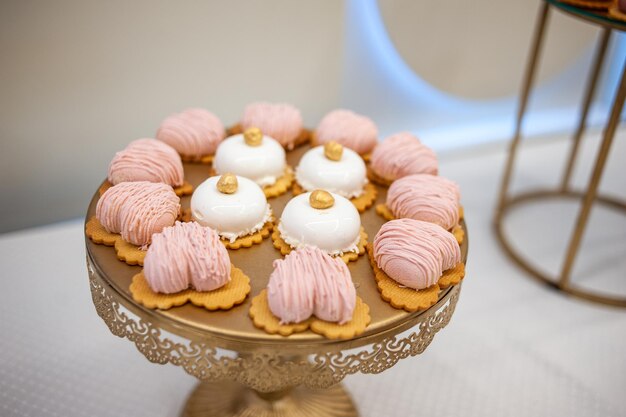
425, 197
310, 282
281, 121
194, 133
186, 255
403, 154
147, 160
137, 210
415, 253
350, 129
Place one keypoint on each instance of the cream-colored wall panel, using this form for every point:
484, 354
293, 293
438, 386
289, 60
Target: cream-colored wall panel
80, 79
478, 48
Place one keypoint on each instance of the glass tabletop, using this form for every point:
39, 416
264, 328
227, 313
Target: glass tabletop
600, 17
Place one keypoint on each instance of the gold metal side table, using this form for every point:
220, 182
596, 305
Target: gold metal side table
588, 196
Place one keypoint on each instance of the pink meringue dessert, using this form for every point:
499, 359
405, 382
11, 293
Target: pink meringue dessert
147, 160
349, 129
425, 197
403, 154
281, 121
415, 253
194, 133
137, 210
310, 282
184, 256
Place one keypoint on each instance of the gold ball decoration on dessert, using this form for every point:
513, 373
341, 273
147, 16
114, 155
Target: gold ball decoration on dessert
227, 184
333, 150
253, 136
321, 199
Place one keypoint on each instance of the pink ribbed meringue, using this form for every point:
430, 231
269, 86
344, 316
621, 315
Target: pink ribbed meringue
425, 197
147, 160
415, 253
282, 122
186, 255
309, 281
194, 133
350, 129
137, 210
403, 154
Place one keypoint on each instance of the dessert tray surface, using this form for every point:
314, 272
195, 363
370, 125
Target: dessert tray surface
256, 261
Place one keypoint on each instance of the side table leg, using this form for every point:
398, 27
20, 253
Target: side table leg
591, 87
592, 189
527, 85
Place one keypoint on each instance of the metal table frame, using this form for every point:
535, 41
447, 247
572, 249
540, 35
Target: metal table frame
590, 195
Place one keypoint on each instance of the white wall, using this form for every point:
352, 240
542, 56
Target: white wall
451, 71
478, 48
80, 79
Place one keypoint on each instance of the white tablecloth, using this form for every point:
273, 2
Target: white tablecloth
513, 347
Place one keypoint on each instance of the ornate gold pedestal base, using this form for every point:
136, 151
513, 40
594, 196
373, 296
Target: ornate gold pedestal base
229, 399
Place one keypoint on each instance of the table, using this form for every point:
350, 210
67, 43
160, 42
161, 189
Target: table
589, 196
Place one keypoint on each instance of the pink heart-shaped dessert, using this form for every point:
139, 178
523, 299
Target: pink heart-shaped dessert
350, 129
184, 256
147, 160
193, 132
311, 282
282, 122
403, 154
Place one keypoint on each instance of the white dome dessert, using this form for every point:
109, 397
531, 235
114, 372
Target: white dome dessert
251, 155
332, 168
334, 227
234, 206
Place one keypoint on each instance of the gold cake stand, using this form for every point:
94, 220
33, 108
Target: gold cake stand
243, 370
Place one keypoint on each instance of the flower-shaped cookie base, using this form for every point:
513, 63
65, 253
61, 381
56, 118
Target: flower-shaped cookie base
223, 298
264, 319
408, 299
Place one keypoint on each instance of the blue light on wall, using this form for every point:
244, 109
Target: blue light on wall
378, 82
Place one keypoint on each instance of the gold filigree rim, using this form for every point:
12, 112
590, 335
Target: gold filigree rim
263, 367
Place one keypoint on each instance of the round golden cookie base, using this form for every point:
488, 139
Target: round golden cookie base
285, 248
408, 299
362, 202
263, 318
185, 189
282, 184
223, 298
249, 240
